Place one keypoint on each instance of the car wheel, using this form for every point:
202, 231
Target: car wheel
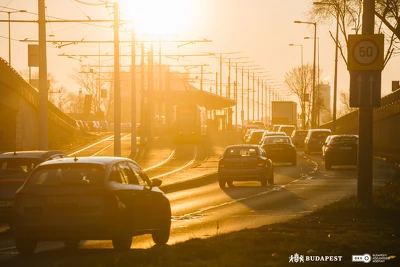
221, 182
25, 246
72, 243
230, 183
328, 164
264, 180
122, 243
271, 177
294, 162
161, 236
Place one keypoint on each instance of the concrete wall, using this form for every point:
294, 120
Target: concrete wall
386, 127
19, 103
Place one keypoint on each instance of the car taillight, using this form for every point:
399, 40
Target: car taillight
260, 163
221, 164
330, 146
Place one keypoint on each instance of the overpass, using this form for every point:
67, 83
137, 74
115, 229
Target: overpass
19, 114
386, 126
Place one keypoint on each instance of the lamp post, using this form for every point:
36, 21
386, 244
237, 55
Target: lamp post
9, 30
303, 107
318, 70
313, 87
336, 5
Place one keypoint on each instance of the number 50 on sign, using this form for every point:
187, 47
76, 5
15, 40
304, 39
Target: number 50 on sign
365, 52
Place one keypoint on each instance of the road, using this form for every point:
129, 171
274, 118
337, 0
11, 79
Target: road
207, 210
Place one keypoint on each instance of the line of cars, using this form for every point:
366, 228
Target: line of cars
45, 195
254, 159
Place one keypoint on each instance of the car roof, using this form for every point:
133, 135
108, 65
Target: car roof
277, 136
319, 130
99, 160
274, 133
31, 154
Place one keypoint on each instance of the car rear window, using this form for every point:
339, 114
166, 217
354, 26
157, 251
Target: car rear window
320, 135
277, 140
241, 152
67, 174
16, 168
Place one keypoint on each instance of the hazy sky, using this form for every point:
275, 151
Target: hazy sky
259, 29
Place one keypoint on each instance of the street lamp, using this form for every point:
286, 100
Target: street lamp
303, 108
313, 88
336, 62
318, 71
9, 31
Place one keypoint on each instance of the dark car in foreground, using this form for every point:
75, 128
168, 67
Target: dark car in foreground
280, 149
89, 198
14, 169
245, 162
340, 150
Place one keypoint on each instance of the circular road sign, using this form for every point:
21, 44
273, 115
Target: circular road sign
366, 52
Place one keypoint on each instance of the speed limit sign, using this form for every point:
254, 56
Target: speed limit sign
365, 52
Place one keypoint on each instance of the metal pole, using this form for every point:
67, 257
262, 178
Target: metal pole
133, 97
201, 78
262, 101
143, 97
236, 106
229, 80
335, 75
43, 88
117, 90
242, 108
314, 64
159, 90
9, 38
365, 122
248, 96
258, 98
253, 98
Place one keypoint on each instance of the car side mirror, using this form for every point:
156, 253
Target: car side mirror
156, 182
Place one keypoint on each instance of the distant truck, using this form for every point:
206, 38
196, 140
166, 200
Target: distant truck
284, 112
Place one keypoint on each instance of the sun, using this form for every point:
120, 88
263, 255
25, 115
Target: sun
157, 16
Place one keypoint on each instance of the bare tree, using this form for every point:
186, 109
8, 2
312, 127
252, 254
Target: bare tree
300, 81
98, 84
73, 103
56, 94
345, 104
349, 12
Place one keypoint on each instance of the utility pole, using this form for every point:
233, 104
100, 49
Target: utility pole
133, 97
117, 89
43, 90
143, 98
365, 122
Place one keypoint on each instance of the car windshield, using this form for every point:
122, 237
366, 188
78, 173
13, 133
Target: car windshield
241, 152
16, 168
277, 140
67, 174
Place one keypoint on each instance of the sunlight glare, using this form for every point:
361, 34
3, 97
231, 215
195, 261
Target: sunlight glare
157, 16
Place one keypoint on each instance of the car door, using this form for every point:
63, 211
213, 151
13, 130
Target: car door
140, 197
153, 198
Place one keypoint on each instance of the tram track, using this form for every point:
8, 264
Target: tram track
183, 156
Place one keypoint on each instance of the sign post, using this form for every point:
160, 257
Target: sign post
365, 63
